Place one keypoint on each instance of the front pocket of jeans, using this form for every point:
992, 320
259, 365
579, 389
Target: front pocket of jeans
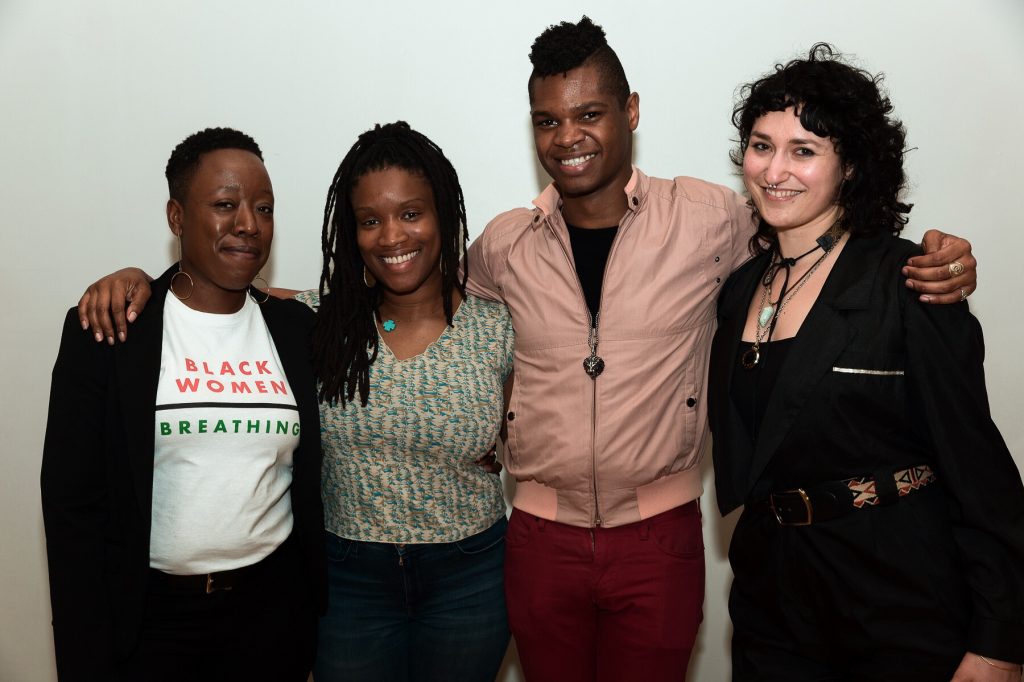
338, 548
676, 542
481, 542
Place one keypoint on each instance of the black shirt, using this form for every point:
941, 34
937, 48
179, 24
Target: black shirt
590, 249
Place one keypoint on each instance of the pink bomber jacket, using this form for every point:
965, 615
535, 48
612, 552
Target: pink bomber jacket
626, 445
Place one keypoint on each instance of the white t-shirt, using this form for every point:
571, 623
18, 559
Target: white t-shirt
227, 426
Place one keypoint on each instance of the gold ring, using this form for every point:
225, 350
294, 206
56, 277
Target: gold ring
963, 293
956, 268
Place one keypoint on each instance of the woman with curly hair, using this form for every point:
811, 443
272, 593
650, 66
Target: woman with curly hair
883, 529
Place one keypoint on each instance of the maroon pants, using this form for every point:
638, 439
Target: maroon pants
600, 604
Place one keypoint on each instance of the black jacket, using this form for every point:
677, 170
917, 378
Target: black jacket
828, 424
97, 479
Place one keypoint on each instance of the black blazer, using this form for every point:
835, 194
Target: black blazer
97, 479
826, 424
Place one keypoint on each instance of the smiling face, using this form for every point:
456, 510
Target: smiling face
584, 137
805, 168
226, 225
397, 231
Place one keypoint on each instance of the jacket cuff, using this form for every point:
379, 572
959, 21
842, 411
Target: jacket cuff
999, 639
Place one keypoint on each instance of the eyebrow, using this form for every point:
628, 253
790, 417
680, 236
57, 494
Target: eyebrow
593, 104
795, 140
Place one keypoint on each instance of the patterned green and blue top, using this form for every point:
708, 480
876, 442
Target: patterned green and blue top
402, 469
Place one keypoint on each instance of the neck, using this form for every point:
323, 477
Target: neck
220, 302
603, 207
798, 240
423, 303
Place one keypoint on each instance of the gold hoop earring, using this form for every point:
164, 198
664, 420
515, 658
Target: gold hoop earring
265, 291
368, 279
191, 284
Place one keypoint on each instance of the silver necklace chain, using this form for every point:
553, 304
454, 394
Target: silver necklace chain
769, 313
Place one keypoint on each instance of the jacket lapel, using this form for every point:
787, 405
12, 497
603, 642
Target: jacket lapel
137, 367
733, 448
822, 338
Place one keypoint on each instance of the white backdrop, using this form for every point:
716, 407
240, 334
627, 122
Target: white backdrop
96, 94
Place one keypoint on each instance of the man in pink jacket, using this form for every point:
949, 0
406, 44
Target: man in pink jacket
611, 279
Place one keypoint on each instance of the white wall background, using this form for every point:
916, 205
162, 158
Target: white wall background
96, 94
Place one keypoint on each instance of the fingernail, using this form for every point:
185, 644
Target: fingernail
84, 323
131, 315
926, 299
110, 340
98, 336
121, 335
905, 271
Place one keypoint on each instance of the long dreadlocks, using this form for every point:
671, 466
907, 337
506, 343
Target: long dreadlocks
345, 341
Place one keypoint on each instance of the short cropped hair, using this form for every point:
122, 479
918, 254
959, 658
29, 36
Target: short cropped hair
186, 156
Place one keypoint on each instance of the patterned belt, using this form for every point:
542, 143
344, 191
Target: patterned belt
826, 501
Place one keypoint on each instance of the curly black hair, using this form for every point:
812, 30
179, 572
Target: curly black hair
847, 105
566, 46
184, 160
345, 341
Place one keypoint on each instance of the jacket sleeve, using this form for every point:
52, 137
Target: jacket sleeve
482, 261
743, 226
75, 506
946, 380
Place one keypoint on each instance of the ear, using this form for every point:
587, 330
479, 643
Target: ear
175, 216
633, 110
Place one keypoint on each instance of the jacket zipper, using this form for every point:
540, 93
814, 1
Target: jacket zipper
593, 406
593, 411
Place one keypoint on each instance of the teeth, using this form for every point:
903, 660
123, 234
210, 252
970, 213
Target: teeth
395, 260
781, 193
577, 160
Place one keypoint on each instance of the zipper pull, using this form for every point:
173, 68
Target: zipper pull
594, 364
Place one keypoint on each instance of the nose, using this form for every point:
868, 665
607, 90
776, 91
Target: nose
392, 233
569, 135
246, 221
777, 170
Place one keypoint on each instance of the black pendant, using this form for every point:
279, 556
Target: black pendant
750, 359
593, 365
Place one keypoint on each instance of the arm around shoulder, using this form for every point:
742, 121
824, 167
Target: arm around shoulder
485, 259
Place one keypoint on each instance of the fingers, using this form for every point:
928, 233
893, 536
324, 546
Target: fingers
489, 461
110, 304
942, 249
138, 297
947, 273
93, 312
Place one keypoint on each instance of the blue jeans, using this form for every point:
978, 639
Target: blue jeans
423, 611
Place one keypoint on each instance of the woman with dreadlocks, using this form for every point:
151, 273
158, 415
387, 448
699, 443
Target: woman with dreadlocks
410, 372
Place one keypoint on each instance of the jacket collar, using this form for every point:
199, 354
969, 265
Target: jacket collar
549, 202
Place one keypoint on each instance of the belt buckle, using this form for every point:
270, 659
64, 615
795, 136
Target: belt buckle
808, 507
211, 588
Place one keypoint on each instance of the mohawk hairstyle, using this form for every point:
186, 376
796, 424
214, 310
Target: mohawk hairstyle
345, 341
186, 156
566, 46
